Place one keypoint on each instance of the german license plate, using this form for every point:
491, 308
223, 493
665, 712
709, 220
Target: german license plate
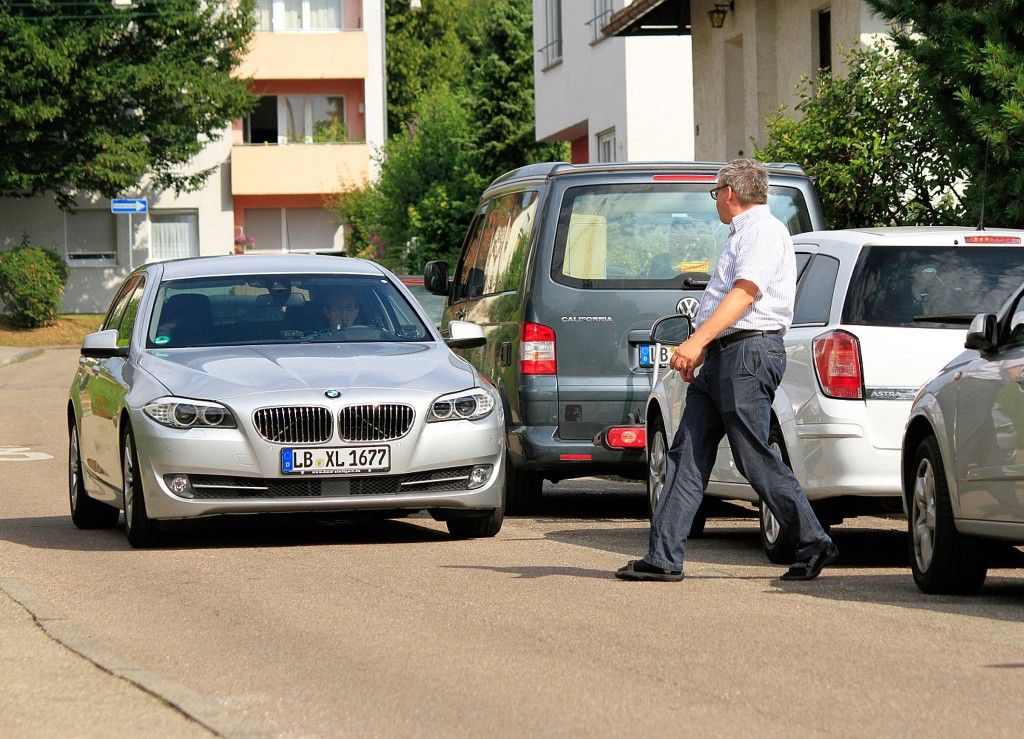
339, 460
647, 354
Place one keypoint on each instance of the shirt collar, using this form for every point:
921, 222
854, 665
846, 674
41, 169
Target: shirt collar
746, 215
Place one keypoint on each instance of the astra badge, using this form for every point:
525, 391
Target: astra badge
333, 394
688, 307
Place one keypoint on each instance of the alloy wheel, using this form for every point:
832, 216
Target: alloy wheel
657, 468
74, 470
923, 514
128, 486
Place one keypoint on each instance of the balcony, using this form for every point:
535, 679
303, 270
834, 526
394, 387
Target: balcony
298, 169
306, 56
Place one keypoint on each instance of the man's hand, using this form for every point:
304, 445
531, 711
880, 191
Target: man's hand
687, 357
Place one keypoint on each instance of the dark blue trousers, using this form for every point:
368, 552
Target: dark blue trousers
731, 396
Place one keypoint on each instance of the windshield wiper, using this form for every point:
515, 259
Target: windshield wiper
957, 318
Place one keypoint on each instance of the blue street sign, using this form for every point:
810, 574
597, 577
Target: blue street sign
129, 205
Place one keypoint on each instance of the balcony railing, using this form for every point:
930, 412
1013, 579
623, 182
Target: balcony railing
298, 169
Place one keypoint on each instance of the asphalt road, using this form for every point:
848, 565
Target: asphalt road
305, 626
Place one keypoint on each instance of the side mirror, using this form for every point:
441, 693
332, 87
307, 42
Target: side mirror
103, 344
465, 335
982, 335
671, 330
435, 278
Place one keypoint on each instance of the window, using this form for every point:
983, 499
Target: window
173, 236
294, 229
814, 298
913, 286
602, 12
495, 258
117, 307
131, 313
91, 238
823, 61
299, 15
553, 25
606, 146
648, 235
282, 309
297, 119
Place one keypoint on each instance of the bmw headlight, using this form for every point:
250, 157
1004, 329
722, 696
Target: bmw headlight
465, 405
183, 413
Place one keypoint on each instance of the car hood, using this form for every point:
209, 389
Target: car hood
221, 373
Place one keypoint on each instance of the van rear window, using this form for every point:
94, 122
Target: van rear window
917, 286
649, 235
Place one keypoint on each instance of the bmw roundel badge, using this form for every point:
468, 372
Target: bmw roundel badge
333, 393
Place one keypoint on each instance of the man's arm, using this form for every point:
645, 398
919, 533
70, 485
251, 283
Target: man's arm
689, 355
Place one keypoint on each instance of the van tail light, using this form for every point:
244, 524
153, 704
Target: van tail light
627, 437
837, 363
537, 350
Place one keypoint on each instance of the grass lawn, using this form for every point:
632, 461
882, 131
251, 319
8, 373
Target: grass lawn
67, 331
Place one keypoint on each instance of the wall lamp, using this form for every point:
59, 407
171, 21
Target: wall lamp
717, 14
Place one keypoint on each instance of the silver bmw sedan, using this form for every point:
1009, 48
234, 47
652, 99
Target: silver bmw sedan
245, 384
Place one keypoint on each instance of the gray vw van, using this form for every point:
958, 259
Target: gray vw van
566, 267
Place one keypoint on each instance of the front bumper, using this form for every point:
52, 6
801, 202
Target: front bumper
233, 455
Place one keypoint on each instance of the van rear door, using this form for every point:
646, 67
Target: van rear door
624, 255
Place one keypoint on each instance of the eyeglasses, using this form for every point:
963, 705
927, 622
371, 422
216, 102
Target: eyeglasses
714, 191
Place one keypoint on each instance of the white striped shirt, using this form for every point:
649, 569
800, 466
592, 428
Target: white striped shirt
759, 249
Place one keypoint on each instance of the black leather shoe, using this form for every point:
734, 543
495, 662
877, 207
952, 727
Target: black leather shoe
812, 568
640, 569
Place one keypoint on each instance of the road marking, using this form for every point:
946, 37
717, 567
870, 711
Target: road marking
21, 454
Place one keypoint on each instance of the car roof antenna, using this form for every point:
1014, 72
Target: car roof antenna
984, 189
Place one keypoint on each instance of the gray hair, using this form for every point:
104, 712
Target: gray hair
747, 178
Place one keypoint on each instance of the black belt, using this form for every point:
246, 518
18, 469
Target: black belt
724, 341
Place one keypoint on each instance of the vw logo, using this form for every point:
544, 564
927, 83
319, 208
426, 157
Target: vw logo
688, 307
333, 394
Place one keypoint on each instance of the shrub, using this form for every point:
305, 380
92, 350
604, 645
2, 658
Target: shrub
32, 284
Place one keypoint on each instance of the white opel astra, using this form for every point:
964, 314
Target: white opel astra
278, 384
878, 312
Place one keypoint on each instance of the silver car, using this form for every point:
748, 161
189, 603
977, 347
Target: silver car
962, 457
275, 384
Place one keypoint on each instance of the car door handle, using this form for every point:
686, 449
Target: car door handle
506, 353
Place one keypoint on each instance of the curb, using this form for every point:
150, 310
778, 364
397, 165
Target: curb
218, 719
20, 357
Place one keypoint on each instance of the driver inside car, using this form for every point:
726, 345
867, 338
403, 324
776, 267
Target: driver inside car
342, 309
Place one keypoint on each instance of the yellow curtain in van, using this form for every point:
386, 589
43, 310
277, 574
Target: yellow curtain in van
586, 249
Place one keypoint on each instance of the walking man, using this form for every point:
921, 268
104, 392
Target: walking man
745, 310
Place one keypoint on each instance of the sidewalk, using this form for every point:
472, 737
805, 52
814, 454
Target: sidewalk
12, 354
50, 689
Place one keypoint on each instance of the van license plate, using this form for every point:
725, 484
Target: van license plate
336, 460
647, 354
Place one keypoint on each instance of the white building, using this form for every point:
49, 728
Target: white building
749, 57
612, 98
314, 65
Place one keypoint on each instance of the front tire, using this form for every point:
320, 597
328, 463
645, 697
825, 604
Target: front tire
943, 560
86, 512
777, 546
476, 527
139, 527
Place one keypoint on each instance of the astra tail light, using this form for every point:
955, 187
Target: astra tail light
837, 363
537, 350
627, 437
685, 178
987, 239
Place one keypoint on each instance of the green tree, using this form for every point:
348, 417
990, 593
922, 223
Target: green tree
426, 49
971, 59
93, 98
502, 89
868, 138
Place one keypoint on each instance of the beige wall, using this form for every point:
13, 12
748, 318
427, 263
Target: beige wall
298, 169
760, 55
308, 56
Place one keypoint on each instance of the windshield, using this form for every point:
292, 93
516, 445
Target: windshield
281, 309
914, 286
650, 235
